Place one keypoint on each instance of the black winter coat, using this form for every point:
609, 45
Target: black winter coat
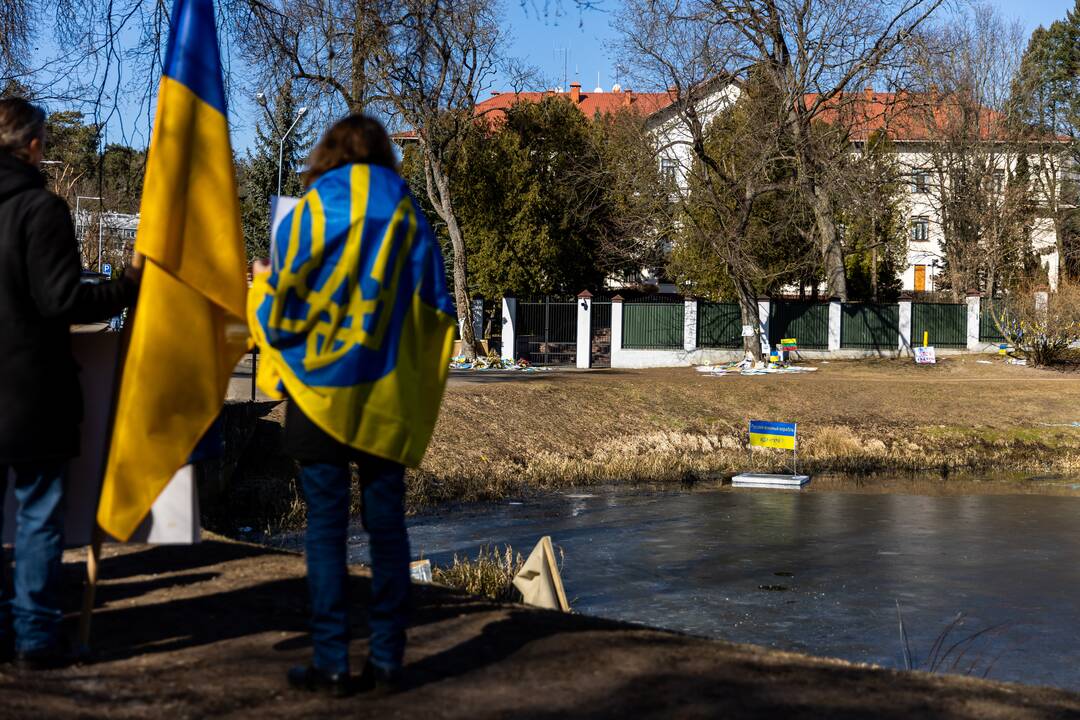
40, 297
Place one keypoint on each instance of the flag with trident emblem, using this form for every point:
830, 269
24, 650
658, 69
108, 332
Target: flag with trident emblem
354, 320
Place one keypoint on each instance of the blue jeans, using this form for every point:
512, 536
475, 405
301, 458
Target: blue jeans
326, 488
33, 614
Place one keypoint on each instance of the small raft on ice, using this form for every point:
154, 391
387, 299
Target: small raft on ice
767, 480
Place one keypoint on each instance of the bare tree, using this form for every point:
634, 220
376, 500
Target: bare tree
434, 60
978, 162
327, 48
814, 52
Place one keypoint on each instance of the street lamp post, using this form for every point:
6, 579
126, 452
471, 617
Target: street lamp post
79, 198
261, 99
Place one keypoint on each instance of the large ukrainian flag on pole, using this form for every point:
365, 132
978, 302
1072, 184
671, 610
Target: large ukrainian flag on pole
188, 330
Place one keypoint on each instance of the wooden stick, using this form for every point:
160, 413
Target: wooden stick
93, 560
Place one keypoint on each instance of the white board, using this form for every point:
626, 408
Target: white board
925, 355
174, 518
280, 205
767, 480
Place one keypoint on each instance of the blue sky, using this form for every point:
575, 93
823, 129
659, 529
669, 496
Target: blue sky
544, 33
587, 32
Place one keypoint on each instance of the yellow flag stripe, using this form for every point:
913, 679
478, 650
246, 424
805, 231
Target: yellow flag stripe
784, 442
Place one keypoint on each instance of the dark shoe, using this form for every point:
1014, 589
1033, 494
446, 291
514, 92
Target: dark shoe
377, 681
43, 659
312, 679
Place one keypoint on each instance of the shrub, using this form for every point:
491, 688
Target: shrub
1040, 325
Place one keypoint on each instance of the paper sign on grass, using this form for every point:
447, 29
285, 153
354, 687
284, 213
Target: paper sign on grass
925, 355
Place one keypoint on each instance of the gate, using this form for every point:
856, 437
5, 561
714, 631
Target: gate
870, 326
944, 323
807, 322
600, 331
547, 331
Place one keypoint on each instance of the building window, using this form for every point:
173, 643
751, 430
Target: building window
668, 169
999, 181
920, 229
920, 182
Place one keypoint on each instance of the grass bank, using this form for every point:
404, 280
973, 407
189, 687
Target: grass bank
505, 435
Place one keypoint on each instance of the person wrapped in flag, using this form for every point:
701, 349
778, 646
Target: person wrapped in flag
355, 325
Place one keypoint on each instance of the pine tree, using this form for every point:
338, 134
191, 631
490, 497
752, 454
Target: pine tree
258, 172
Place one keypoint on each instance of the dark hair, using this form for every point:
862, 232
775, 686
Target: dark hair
21, 122
353, 139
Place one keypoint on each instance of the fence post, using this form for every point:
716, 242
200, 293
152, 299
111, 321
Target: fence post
509, 321
690, 321
835, 318
616, 330
905, 325
584, 330
764, 304
974, 315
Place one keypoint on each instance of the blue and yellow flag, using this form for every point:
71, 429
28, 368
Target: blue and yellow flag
354, 321
773, 434
188, 330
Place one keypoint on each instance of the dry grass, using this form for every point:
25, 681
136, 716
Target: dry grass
547, 431
490, 574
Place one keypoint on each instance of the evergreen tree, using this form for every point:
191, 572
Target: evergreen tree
530, 216
1045, 103
776, 247
874, 219
258, 172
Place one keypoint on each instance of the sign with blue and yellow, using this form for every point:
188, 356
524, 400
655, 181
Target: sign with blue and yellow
772, 434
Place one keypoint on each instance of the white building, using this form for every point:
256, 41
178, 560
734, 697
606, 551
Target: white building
908, 125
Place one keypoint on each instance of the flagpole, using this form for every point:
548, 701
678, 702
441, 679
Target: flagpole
97, 536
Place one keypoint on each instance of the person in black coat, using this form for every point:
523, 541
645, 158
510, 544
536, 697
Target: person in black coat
41, 296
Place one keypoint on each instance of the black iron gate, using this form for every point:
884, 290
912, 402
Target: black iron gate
547, 331
600, 331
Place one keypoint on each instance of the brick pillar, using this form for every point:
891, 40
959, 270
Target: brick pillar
509, 321
835, 319
584, 330
616, 330
690, 321
974, 314
904, 341
764, 304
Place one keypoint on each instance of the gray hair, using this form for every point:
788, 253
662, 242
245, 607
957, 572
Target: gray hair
21, 122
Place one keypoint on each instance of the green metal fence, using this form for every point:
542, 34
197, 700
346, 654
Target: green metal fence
946, 324
652, 325
807, 322
870, 326
719, 325
988, 331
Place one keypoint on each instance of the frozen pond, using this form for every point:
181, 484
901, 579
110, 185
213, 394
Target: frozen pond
819, 572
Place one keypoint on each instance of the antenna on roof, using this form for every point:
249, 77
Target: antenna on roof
598, 88
565, 61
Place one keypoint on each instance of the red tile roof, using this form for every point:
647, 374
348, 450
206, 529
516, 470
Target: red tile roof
590, 103
905, 117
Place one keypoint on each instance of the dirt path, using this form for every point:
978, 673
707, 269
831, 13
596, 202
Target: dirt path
209, 631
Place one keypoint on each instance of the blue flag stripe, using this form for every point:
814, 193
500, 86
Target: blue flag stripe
192, 56
762, 427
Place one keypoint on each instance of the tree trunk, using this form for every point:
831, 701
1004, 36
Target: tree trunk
438, 186
832, 253
748, 308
